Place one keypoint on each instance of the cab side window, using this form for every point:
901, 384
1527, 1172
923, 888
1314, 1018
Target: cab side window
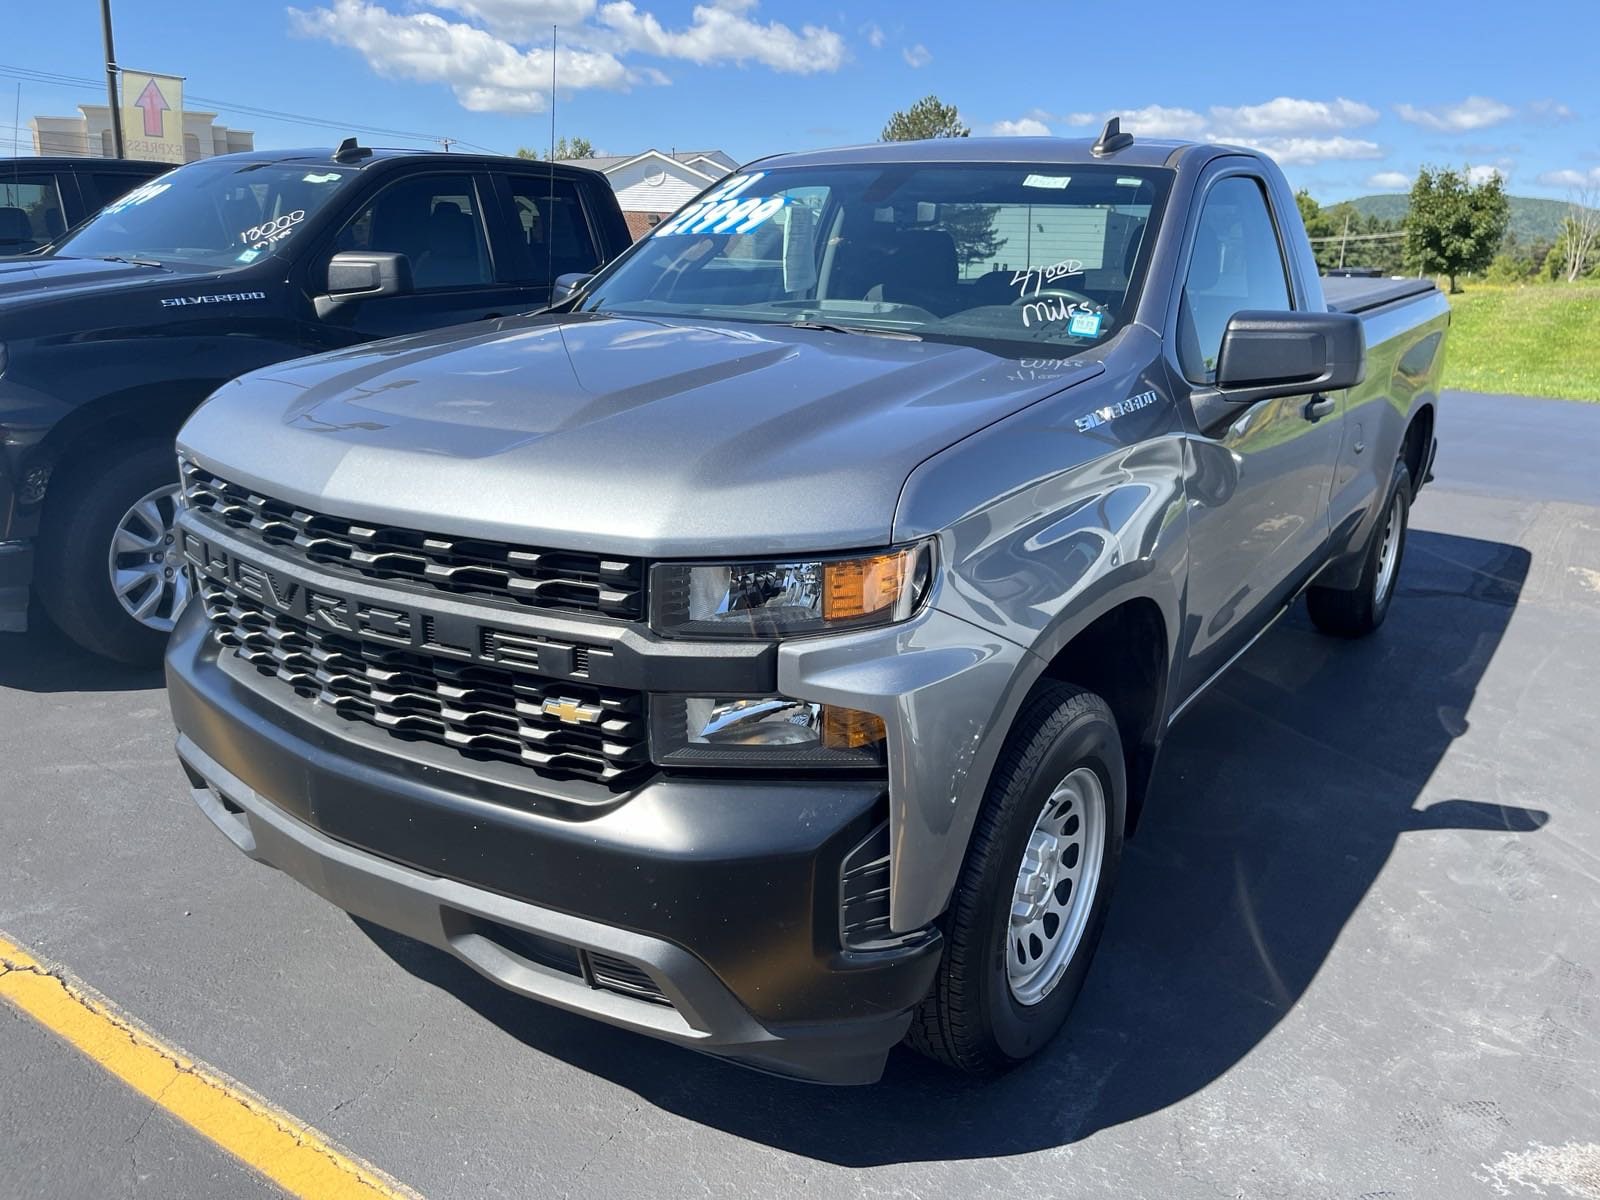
30, 213
435, 221
1237, 265
552, 227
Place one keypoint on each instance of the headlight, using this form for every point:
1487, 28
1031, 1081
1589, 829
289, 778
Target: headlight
783, 598
765, 731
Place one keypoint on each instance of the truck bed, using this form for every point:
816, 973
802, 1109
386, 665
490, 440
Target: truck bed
1355, 295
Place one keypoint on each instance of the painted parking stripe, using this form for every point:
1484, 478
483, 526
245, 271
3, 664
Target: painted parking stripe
259, 1134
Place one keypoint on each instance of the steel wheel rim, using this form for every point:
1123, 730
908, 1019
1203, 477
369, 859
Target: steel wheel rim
1056, 886
144, 564
1389, 548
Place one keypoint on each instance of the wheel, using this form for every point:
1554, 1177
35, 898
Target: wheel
1357, 612
1028, 909
110, 572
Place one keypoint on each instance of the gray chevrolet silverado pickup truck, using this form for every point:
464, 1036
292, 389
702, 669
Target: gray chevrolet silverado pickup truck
768, 647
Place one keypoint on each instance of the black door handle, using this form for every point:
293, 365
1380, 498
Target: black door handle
1318, 407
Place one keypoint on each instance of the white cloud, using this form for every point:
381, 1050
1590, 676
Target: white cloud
1482, 173
1305, 151
916, 56
721, 33
1552, 111
874, 35
486, 73
1389, 181
1572, 179
522, 20
1284, 127
1157, 121
1021, 127
1286, 115
1475, 112
497, 58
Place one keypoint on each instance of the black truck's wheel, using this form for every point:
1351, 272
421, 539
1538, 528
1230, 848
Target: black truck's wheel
1028, 909
110, 573
1357, 612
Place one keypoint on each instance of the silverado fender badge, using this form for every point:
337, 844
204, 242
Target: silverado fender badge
216, 298
1111, 412
572, 712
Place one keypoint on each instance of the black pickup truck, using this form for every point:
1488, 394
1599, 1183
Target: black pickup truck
112, 335
42, 198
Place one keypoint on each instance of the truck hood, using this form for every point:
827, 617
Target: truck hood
662, 438
23, 280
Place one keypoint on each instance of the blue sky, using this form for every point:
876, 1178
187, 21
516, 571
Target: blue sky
1351, 97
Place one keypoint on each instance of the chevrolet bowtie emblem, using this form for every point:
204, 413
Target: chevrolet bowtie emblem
572, 712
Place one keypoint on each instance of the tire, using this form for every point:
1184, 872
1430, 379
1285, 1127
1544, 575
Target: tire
86, 507
980, 1017
1357, 612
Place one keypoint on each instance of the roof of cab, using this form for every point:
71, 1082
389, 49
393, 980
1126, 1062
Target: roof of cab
324, 156
1143, 152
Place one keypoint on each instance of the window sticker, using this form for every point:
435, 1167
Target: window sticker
139, 195
1085, 324
330, 177
248, 256
800, 250
1046, 181
722, 210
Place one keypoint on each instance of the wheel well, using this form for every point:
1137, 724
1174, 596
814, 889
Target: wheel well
1121, 656
122, 420
1419, 436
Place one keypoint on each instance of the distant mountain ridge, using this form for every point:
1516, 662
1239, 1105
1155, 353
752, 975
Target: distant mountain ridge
1532, 219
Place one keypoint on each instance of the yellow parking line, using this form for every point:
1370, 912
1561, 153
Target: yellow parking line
259, 1134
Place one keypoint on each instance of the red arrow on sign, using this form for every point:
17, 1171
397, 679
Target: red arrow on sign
154, 104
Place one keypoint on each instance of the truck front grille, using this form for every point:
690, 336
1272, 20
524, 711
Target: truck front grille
482, 712
522, 575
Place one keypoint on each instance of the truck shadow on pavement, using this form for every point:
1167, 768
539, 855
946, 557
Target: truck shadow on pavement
1278, 801
45, 660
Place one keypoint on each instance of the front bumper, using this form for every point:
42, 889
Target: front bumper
16, 577
719, 899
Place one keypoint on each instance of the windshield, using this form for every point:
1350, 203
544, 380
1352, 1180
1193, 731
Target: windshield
1003, 254
220, 213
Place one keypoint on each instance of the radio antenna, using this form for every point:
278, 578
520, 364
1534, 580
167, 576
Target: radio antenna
550, 209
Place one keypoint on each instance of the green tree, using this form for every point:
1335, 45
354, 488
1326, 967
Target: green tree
1342, 237
1455, 226
929, 117
578, 147
971, 228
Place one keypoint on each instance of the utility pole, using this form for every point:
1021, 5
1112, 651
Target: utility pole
1344, 238
111, 79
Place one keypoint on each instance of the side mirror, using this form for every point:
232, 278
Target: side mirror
1269, 354
363, 275
567, 286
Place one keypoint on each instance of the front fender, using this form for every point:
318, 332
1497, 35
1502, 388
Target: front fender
1019, 579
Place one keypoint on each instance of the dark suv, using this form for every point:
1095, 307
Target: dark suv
112, 336
42, 198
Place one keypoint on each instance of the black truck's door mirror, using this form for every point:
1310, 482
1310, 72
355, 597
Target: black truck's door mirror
364, 275
567, 286
1270, 354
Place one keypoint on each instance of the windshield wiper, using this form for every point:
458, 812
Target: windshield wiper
867, 330
135, 262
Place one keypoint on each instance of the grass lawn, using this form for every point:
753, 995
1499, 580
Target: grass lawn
1527, 339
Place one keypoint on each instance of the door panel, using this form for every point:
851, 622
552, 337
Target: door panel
1258, 488
437, 222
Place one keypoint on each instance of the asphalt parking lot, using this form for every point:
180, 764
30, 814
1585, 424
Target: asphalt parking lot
1353, 951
